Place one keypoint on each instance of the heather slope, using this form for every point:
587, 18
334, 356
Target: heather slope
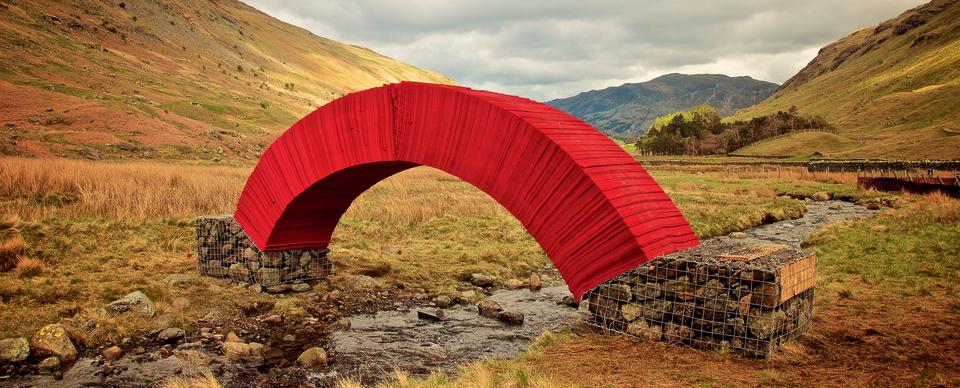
174, 79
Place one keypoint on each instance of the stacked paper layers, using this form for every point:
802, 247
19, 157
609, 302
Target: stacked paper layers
593, 209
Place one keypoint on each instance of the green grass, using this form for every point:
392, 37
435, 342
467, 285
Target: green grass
914, 247
801, 144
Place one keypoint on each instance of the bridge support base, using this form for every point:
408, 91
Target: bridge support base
720, 295
225, 251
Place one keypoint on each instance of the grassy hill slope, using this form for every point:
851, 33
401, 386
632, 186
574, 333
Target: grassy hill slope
894, 87
802, 144
174, 79
626, 111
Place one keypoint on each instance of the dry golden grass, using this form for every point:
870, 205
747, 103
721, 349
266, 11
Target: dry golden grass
28, 268
10, 251
201, 380
36, 188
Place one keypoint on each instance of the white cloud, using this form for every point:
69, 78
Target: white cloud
549, 49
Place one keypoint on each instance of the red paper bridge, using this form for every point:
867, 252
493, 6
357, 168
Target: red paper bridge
592, 208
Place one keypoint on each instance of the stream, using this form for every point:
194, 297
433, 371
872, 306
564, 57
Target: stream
377, 344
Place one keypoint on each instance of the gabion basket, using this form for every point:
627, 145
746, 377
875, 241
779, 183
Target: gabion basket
225, 251
745, 298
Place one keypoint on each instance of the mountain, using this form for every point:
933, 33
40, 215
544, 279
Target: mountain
176, 79
892, 91
626, 111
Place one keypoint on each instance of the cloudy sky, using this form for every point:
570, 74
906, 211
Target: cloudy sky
550, 49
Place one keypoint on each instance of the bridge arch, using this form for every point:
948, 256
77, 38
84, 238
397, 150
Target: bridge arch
592, 208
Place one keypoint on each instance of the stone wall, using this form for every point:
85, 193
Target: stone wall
720, 295
225, 251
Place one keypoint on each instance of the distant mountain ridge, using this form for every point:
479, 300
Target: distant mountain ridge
892, 90
170, 79
626, 111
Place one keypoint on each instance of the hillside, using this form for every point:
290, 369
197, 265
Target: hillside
626, 111
801, 144
211, 80
894, 88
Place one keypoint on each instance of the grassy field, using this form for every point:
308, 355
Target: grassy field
801, 144
887, 305
79, 234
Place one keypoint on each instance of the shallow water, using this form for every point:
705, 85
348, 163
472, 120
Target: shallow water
377, 344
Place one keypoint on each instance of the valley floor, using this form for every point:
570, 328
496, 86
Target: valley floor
887, 293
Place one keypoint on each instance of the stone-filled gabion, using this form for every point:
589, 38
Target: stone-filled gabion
225, 251
747, 299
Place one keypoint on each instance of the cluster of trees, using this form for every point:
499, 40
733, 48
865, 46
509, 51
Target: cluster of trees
699, 131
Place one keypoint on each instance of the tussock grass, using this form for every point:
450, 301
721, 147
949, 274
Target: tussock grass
204, 379
10, 251
28, 268
35, 188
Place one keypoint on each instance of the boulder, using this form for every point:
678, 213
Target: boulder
676, 333
257, 349
513, 284
363, 283
631, 311
232, 337
681, 288
435, 315
312, 358
442, 301
656, 309
569, 300
300, 287
172, 334
641, 328
267, 277
134, 302
764, 324
647, 291
52, 340
14, 350
711, 289
239, 273
317, 269
535, 282
617, 292
739, 235
49, 365
488, 308
236, 351
511, 317
112, 353
481, 280
179, 280
821, 196
767, 295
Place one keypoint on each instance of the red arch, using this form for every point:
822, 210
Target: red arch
592, 208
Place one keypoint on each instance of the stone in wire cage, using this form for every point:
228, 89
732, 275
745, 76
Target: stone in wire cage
225, 251
720, 295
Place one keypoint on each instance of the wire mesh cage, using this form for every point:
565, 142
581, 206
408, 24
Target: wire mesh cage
225, 251
720, 295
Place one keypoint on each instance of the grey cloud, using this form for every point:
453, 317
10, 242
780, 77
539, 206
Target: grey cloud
549, 49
